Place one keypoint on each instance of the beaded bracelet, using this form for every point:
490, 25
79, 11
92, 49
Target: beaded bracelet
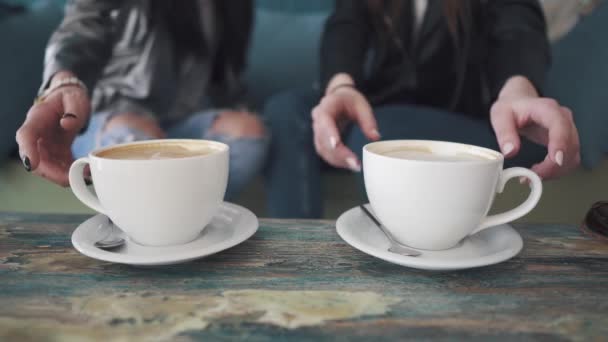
343, 85
69, 81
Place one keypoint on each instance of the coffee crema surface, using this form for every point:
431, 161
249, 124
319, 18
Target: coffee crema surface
155, 151
428, 155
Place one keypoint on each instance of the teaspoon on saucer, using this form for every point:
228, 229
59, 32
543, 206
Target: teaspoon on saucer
395, 246
112, 240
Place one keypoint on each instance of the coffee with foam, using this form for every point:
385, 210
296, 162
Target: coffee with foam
155, 151
159, 192
428, 155
432, 194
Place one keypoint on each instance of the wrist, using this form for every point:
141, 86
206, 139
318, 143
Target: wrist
338, 81
59, 76
339, 87
517, 87
60, 80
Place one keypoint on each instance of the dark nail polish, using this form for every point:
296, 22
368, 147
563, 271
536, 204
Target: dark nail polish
69, 115
88, 181
27, 164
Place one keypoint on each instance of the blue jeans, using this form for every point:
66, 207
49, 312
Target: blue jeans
293, 173
247, 155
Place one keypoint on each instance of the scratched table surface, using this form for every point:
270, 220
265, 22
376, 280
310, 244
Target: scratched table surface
297, 280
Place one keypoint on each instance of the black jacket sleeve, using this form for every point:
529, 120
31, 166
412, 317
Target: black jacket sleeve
345, 41
517, 43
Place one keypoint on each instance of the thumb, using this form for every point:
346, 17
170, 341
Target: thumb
505, 127
76, 109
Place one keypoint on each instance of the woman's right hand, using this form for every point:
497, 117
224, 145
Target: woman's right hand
45, 138
341, 104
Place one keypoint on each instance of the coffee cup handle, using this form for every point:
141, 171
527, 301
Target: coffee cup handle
79, 187
536, 189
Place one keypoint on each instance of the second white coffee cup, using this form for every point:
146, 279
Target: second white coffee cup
432, 194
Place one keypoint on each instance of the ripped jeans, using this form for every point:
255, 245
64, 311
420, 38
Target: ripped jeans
247, 154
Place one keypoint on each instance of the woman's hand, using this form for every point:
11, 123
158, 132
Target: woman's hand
341, 104
520, 111
45, 138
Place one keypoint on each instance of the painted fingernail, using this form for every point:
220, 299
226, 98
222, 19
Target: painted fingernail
333, 142
27, 164
559, 158
69, 115
507, 148
353, 165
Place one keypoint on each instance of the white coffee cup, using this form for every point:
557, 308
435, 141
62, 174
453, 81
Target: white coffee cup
432, 194
157, 198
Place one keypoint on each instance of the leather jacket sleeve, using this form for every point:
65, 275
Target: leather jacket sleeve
345, 41
82, 44
517, 43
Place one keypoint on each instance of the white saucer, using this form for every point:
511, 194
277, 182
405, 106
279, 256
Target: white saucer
232, 225
487, 247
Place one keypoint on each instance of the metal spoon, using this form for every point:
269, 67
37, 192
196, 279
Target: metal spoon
395, 246
112, 240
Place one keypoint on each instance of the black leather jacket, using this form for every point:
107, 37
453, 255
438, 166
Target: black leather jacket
125, 53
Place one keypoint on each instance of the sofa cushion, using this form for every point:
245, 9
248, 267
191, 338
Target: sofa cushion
285, 45
23, 36
578, 79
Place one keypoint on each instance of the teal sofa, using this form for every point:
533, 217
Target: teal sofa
283, 55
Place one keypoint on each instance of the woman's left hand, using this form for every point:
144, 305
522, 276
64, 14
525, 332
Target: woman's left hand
520, 111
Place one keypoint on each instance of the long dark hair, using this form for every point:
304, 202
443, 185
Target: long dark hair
234, 24
183, 21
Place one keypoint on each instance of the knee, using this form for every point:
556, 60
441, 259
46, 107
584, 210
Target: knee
248, 154
239, 125
142, 123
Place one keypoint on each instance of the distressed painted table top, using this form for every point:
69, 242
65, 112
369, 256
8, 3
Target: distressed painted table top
297, 280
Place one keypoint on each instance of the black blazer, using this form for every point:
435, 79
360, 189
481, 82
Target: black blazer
508, 38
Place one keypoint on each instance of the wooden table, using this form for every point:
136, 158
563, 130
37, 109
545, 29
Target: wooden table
297, 280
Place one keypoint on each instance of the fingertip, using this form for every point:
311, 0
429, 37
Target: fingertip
559, 158
507, 148
27, 164
375, 134
510, 149
347, 158
314, 113
353, 164
29, 157
70, 122
333, 142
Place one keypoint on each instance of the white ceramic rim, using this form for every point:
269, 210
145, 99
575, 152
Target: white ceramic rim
466, 148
